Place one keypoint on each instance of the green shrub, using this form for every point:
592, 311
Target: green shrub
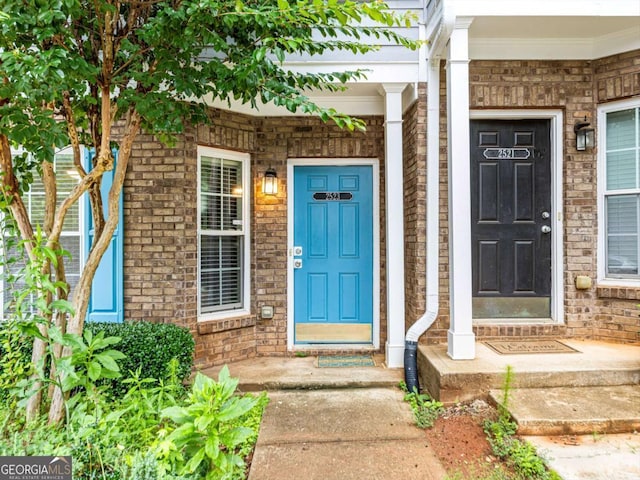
148, 347
15, 358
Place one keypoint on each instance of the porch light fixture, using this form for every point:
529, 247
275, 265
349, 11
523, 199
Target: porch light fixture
270, 182
585, 135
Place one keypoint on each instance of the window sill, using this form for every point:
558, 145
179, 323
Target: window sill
609, 289
206, 327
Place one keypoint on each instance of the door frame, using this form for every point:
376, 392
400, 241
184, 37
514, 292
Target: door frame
334, 162
557, 230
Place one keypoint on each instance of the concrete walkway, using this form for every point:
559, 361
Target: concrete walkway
346, 434
351, 423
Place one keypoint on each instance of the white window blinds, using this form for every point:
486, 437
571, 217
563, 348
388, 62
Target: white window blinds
622, 192
222, 234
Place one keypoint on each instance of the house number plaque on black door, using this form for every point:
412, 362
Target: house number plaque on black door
332, 196
506, 153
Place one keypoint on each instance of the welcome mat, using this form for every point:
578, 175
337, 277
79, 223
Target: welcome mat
518, 347
329, 361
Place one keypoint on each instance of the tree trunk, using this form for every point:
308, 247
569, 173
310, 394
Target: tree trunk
83, 288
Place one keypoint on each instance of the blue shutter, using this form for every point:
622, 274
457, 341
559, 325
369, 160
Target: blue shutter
106, 302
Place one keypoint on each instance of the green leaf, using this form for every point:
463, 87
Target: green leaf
195, 461
177, 414
93, 370
107, 362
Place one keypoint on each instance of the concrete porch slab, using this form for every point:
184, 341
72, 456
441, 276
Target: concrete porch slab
296, 373
595, 364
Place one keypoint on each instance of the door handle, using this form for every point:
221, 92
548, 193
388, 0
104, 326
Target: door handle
297, 263
545, 229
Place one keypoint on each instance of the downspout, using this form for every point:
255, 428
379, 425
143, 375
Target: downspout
433, 226
439, 27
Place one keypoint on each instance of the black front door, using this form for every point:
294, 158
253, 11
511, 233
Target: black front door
511, 218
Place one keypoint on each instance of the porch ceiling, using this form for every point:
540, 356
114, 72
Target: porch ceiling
548, 37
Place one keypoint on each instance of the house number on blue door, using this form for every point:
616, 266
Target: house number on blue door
332, 196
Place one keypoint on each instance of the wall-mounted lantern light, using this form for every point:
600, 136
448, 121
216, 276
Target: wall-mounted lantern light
585, 135
270, 182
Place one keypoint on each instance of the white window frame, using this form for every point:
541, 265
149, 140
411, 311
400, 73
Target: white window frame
603, 110
82, 233
245, 158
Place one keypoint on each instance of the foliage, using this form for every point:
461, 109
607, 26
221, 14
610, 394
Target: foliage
425, 409
71, 70
129, 437
521, 455
208, 439
15, 364
149, 349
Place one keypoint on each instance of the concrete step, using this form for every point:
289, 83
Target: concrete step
594, 364
574, 410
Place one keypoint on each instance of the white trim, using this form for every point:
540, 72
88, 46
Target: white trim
602, 279
334, 162
459, 347
245, 158
557, 227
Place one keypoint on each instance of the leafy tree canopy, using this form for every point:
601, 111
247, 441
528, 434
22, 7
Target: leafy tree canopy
159, 57
72, 71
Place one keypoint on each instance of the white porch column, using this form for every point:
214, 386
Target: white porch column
461, 339
394, 207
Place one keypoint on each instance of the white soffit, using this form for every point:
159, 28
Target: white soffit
552, 38
361, 99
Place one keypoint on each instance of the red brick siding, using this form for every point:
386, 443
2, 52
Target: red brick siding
160, 208
414, 132
575, 87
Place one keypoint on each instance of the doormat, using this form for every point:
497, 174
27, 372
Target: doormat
518, 347
329, 361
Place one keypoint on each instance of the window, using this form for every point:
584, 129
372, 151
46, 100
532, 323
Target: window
71, 237
223, 275
620, 187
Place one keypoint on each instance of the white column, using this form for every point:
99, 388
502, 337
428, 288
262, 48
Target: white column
461, 339
394, 208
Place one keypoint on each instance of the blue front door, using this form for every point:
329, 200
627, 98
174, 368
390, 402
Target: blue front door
333, 254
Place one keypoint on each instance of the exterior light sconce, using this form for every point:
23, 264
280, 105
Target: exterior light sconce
270, 182
585, 135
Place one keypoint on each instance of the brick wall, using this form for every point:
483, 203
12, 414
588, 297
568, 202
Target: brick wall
160, 236
160, 231
414, 133
615, 310
576, 88
277, 140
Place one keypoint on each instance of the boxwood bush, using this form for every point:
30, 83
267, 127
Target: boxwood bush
148, 347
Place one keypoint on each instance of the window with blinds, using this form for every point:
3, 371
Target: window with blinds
66, 178
222, 233
622, 193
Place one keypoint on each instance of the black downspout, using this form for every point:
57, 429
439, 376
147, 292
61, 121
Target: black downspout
411, 366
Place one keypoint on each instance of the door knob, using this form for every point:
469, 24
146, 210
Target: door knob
297, 263
545, 229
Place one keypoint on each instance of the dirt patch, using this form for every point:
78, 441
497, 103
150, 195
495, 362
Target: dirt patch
459, 441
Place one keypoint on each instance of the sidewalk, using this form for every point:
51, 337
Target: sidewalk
351, 423
346, 434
